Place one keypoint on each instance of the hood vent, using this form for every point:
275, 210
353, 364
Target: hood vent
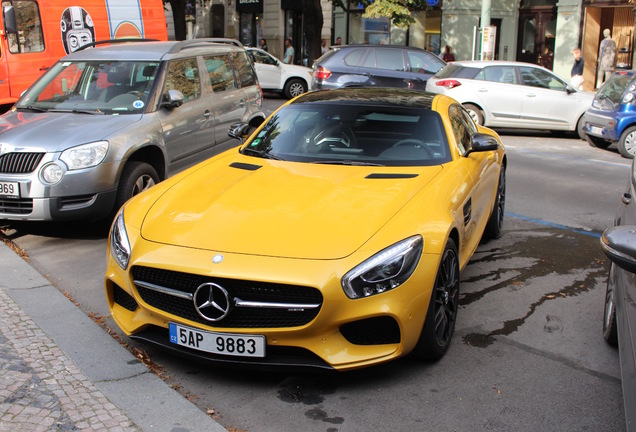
245, 166
390, 176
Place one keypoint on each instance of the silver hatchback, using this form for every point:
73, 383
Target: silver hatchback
105, 123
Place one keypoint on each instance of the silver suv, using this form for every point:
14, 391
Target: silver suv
105, 123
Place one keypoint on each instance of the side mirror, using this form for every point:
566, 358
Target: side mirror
481, 142
619, 244
238, 131
173, 99
8, 16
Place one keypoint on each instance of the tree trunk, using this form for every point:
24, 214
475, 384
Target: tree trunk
312, 16
178, 16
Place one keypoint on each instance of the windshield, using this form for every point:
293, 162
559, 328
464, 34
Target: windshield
92, 87
351, 134
609, 96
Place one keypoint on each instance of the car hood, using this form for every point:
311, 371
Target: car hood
53, 131
282, 209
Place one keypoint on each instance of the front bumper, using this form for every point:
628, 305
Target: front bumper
342, 334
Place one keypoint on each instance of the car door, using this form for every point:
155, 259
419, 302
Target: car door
496, 88
189, 128
267, 69
546, 101
229, 100
481, 168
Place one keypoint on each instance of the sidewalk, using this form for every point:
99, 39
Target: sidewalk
61, 371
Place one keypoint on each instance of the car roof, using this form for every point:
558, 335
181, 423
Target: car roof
339, 47
150, 51
373, 96
485, 63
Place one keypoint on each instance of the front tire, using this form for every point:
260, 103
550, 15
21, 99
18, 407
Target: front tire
495, 223
475, 113
627, 143
294, 87
610, 333
441, 315
136, 178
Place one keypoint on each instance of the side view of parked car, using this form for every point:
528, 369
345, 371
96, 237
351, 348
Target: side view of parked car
105, 123
274, 75
375, 66
612, 117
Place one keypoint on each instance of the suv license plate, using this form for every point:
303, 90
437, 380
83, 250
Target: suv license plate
9, 189
218, 343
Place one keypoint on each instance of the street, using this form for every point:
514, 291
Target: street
528, 352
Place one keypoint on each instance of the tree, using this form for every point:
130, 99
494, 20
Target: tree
399, 11
312, 16
179, 17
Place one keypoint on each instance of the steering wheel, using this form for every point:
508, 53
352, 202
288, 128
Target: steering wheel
336, 136
412, 142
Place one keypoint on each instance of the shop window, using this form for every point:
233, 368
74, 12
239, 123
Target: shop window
29, 37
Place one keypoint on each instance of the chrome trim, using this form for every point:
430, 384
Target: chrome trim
291, 306
164, 290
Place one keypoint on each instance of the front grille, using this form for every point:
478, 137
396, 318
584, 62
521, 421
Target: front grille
19, 163
372, 331
124, 299
16, 206
245, 317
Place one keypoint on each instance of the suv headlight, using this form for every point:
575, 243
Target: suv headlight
85, 155
119, 243
384, 271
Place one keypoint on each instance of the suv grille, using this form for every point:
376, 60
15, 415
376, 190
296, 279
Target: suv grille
238, 317
19, 163
16, 206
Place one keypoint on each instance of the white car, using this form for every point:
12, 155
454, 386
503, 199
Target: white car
513, 94
274, 75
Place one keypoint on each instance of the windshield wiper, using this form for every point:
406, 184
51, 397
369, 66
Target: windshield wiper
78, 111
346, 162
261, 153
32, 108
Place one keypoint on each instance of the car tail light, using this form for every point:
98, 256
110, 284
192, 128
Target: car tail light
322, 73
448, 83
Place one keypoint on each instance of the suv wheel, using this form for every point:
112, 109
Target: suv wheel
136, 178
294, 87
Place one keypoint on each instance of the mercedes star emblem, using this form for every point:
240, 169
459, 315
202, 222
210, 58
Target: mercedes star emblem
212, 301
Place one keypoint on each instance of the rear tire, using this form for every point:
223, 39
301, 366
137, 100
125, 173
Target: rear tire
579, 128
627, 143
475, 113
610, 333
441, 315
294, 87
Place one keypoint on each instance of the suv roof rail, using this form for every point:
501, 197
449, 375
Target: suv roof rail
193, 43
114, 41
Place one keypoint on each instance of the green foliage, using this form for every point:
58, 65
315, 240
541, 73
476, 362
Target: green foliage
399, 11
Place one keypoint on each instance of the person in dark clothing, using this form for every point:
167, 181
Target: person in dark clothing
576, 75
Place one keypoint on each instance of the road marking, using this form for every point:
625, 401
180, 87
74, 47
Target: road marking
554, 225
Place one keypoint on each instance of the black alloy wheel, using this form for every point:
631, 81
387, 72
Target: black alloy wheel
610, 332
495, 223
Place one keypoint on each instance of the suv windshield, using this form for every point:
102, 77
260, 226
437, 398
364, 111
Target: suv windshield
609, 96
352, 134
92, 87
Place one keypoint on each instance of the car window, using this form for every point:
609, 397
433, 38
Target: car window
220, 73
263, 58
612, 90
183, 75
454, 70
535, 77
463, 127
245, 74
389, 58
353, 134
501, 74
356, 56
424, 63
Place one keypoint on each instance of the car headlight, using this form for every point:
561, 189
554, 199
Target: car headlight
85, 155
384, 271
119, 243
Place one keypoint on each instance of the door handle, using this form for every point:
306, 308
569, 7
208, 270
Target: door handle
207, 114
242, 103
627, 198
531, 95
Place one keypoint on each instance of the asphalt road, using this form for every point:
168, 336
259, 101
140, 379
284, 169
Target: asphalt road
528, 352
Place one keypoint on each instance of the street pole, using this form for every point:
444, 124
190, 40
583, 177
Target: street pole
485, 22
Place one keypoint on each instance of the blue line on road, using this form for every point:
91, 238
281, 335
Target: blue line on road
554, 225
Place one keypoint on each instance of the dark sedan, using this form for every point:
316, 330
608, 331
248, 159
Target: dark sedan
619, 321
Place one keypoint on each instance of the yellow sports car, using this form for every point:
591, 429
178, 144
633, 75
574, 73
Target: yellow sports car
332, 238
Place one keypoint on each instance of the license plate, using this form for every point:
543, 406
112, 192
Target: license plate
218, 343
596, 130
9, 189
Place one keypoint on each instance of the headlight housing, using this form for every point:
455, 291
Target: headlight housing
384, 271
119, 243
85, 155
